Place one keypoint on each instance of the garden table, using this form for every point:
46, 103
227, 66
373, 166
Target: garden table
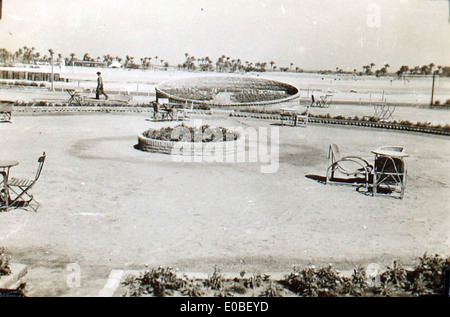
289, 114
4, 170
389, 169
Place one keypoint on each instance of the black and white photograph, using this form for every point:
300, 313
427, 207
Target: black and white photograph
240, 149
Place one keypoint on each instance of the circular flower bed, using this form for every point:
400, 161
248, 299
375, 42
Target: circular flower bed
183, 133
226, 91
184, 140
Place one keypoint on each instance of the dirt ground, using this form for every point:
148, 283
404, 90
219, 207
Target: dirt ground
107, 205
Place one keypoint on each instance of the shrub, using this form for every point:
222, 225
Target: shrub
312, 282
197, 134
425, 279
215, 280
193, 289
272, 290
159, 282
4, 263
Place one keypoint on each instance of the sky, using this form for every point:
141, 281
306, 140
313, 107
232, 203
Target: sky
313, 35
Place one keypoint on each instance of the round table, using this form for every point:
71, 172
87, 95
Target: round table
5, 165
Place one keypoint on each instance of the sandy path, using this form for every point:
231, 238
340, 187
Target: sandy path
106, 205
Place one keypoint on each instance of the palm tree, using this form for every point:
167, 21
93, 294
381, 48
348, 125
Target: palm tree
365, 69
36, 57
263, 66
72, 58
4, 55
17, 54
127, 60
425, 70
86, 57
271, 64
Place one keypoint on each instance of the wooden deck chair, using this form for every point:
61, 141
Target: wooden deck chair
156, 111
389, 174
21, 187
347, 170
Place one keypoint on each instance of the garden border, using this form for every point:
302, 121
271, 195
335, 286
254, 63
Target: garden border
360, 123
191, 148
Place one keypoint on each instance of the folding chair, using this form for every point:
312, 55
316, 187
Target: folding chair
76, 97
21, 187
325, 101
353, 170
389, 174
383, 111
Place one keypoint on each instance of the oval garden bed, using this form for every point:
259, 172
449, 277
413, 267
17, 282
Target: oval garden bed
221, 91
184, 140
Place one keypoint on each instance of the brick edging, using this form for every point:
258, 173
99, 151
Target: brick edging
190, 148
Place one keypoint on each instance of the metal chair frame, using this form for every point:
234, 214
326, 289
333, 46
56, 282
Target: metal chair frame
21, 187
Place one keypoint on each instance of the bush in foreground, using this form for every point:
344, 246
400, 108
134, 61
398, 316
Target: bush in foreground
4, 263
425, 279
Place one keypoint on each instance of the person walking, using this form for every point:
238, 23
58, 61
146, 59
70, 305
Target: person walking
100, 90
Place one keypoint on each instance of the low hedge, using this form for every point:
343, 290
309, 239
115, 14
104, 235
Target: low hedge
425, 279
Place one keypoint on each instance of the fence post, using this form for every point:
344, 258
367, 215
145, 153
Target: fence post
432, 90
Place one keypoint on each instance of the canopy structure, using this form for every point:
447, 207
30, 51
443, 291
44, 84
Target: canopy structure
115, 64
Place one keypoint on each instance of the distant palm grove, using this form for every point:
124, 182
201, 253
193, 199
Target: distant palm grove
223, 64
